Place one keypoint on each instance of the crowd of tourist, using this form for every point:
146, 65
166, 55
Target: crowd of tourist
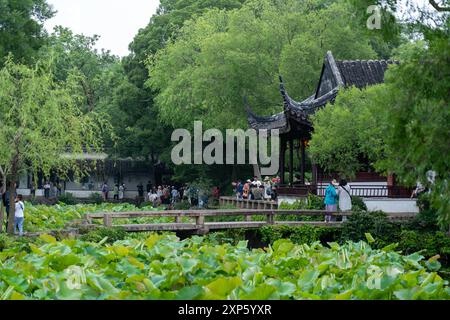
165, 194
254, 189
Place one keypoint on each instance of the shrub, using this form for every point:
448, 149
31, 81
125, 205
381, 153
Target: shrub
315, 202
113, 234
297, 205
358, 204
430, 244
234, 236
22, 243
376, 223
221, 237
312, 202
183, 205
4, 241
67, 198
96, 198
302, 234
427, 219
144, 204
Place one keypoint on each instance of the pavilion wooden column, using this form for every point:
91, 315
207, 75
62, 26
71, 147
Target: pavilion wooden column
282, 157
291, 162
390, 184
303, 161
314, 174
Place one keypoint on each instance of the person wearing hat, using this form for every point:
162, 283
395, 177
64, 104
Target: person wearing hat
330, 200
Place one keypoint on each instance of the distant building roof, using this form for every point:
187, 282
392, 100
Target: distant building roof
361, 73
334, 76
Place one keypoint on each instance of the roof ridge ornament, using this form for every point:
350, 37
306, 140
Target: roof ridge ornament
283, 93
334, 69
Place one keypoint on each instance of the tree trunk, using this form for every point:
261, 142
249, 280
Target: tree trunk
12, 205
152, 174
2, 191
2, 216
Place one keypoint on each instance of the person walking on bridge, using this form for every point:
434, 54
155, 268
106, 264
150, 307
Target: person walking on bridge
330, 200
345, 200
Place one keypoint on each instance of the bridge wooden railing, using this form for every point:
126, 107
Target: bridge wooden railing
201, 226
248, 204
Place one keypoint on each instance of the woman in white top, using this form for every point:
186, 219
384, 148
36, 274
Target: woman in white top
121, 191
345, 200
19, 215
267, 189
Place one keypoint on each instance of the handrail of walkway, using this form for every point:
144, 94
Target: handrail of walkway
201, 226
248, 204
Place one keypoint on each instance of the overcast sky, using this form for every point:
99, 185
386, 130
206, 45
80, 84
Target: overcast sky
115, 21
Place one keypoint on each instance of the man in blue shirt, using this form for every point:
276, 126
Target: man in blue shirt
239, 190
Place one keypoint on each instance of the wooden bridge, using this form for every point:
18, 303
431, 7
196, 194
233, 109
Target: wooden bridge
199, 224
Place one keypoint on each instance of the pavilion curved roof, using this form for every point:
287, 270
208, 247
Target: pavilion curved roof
334, 76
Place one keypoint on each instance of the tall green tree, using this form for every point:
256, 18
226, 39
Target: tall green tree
139, 131
418, 101
404, 128
401, 126
164, 27
21, 28
41, 119
350, 134
225, 55
70, 52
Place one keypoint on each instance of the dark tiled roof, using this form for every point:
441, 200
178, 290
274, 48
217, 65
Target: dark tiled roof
276, 121
335, 75
361, 73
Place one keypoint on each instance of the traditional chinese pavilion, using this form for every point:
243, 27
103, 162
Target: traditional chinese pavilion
293, 122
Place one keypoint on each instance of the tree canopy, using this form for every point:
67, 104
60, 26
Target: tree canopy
71, 52
401, 126
223, 56
41, 121
21, 28
351, 132
137, 125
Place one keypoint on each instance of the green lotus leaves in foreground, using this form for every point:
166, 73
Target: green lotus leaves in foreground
163, 267
44, 218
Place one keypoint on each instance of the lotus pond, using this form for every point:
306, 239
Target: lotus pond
44, 218
161, 266
164, 267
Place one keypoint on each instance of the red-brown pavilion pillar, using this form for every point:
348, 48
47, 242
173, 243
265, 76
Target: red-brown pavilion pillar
282, 157
291, 162
303, 161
